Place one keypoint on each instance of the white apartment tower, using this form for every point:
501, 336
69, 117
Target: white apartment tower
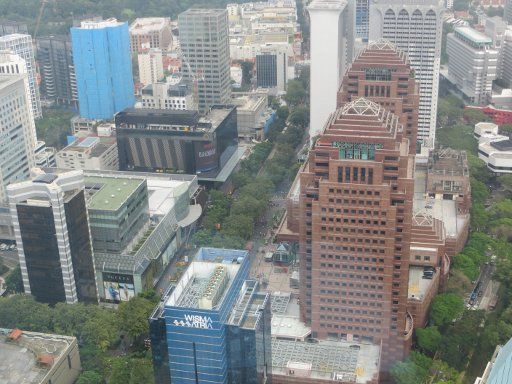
151, 67
332, 51
505, 61
21, 45
472, 63
16, 132
415, 26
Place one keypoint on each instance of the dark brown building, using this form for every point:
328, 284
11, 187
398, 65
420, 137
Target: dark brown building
356, 194
383, 74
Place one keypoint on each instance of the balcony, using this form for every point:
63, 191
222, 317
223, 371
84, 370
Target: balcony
409, 326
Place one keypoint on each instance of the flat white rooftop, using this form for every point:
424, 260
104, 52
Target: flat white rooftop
444, 210
418, 286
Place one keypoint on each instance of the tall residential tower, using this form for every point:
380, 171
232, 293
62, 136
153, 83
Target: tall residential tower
415, 27
205, 46
332, 48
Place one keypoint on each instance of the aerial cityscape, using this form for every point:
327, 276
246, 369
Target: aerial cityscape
256, 192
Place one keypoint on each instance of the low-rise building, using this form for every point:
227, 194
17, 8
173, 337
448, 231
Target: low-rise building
89, 152
472, 63
168, 96
81, 124
172, 141
138, 221
44, 156
252, 112
38, 358
497, 155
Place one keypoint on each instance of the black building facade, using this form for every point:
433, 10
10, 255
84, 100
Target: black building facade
150, 140
266, 70
55, 60
49, 215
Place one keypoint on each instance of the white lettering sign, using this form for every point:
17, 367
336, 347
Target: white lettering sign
207, 153
195, 321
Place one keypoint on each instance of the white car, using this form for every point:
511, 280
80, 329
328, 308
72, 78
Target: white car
3, 247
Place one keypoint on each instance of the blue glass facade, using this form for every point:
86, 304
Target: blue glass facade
362, 19
103, 67
204, 345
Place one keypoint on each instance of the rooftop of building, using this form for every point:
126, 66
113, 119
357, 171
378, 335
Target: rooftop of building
249, 102
361, 118
200, 278
473, 35
328, 360
246, 312
418, 286
327, 4
448, 162
110, 193
94, 146
27, 357
502, 145
286, 323
444, 210
203, 11
100, 24
501, 365
14, 36
7, 80
148, 24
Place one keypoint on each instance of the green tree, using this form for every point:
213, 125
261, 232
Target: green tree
14, 281
239, 226
90, 377
506, 129
120, 371
23, 312
71, 319
445, 308
295, 93
133, 316
283, 112
102, 329
247, 68
428, 339
141, 372
458, 283
54, 127
300, 117
473, 116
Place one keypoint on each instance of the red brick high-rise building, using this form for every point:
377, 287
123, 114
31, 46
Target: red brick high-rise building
383, 74
356, 195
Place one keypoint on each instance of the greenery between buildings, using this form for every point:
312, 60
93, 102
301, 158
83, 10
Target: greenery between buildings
458, 343
230, 220
111, 342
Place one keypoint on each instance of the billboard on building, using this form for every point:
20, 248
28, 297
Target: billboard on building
118, 287
206, 155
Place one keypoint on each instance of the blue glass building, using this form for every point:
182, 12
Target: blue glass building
103, 67
217, 324
362, 19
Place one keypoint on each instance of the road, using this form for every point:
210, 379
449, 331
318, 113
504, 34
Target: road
487, 288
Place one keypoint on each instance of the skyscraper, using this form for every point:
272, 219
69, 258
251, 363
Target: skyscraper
508, 12
151, 67
356, 195
384, 75
272, 67
21, 45
17, 129
205, 46
415, 27
55, 59
103, 67
332, 48
362, 19
52, 234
